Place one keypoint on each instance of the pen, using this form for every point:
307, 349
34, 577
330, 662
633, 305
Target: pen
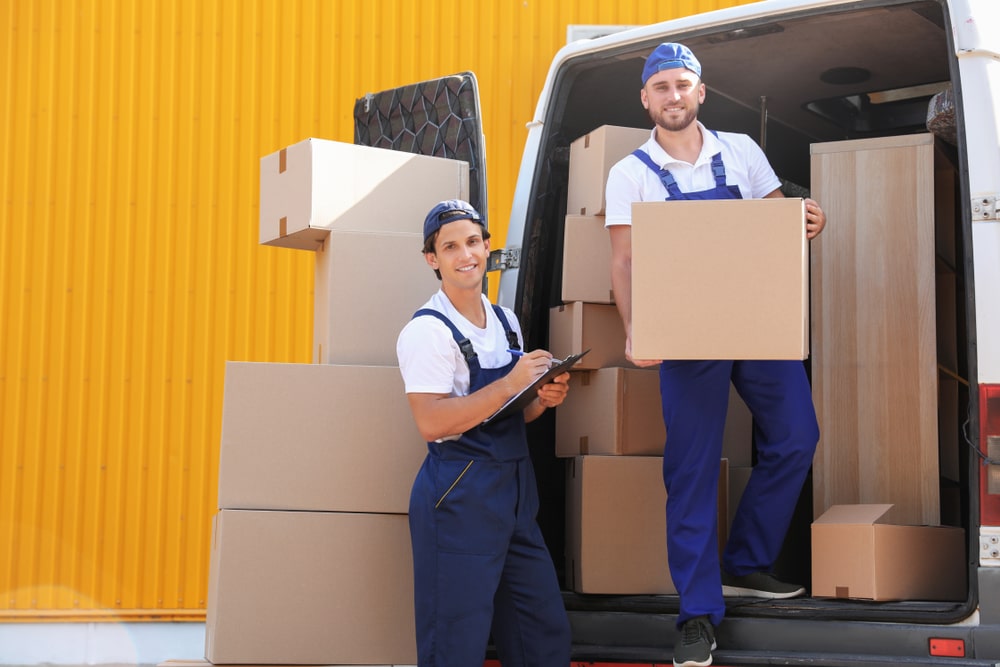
516, 353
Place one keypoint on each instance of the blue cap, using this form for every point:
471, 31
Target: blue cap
447, 211
670, 56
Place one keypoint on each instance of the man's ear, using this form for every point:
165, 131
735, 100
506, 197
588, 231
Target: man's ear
642, 97
431, 259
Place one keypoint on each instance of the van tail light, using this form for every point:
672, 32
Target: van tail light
989, 439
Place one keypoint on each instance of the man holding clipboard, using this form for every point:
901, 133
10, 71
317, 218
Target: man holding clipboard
480, 563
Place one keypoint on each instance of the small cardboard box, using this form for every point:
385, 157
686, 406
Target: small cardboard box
316, 185
310, 588
367, 287
857, 552
591, 158
317, 437
722, 279
616, 531
586, 262
575, 327
611, 411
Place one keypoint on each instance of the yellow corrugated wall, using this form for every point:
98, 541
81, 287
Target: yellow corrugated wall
130, 133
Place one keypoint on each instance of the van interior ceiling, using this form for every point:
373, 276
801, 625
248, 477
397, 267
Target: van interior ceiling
873, 69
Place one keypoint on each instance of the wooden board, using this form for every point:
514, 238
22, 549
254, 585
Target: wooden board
874, 366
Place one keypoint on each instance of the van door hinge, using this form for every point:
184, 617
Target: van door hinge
989, 546
984, 208
503, 259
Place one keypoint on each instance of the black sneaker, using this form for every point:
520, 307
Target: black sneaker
696, 644
759, 585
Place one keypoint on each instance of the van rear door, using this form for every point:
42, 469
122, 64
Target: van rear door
439, 117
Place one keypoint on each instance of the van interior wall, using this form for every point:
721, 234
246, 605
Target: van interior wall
901, 45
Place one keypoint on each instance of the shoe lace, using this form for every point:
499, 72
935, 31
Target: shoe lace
692, 632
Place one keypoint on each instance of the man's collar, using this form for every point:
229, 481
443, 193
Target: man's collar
710, 145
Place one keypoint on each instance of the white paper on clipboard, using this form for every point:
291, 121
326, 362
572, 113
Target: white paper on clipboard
520, 400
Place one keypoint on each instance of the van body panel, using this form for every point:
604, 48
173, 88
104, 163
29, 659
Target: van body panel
951, 47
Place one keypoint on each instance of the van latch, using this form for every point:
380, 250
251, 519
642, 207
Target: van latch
984, 208
503, 259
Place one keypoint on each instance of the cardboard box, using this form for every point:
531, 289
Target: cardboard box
618, 411
316, 185
317, 437
722, 279
586, 260
575, 327
857, 552
591, 158
611, 411
616, 532
367, 287
322, 588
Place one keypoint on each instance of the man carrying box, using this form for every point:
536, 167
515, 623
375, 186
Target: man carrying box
681, 161
480, 562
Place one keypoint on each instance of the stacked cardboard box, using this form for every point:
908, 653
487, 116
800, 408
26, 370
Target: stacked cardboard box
310, 559
610, 428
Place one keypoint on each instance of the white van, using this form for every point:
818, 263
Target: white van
800, 76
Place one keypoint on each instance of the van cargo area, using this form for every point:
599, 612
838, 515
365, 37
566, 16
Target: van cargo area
852, 75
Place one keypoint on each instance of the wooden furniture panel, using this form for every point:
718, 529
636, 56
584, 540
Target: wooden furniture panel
874, 366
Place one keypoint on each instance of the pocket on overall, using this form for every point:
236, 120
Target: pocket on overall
475, 505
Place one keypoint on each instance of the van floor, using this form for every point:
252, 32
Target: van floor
907, 611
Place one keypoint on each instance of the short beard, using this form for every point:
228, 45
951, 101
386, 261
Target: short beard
690, 116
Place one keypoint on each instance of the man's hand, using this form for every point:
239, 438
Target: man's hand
815, 219
552, 394
641, 363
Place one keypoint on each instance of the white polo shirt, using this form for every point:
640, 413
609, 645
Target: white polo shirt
630, 180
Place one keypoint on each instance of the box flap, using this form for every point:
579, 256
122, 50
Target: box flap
857, 514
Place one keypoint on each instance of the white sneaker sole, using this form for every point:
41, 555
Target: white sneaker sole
737, 592
695, 663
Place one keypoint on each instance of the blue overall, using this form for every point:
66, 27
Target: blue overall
695, 398
479, 559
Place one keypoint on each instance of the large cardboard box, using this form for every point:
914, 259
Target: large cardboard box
316, 185
301, 588
586, 260
591, 158
613, 411
367, 287
722, 279
575, 327
858, 552
616, 532
317, 437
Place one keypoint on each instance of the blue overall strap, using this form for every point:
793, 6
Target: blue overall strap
511, 335
464, 344
665, 176
718, 171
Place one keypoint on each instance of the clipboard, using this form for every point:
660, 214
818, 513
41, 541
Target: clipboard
520, 400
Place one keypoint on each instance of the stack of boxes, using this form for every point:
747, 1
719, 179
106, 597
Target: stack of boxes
610, 426
311, 560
